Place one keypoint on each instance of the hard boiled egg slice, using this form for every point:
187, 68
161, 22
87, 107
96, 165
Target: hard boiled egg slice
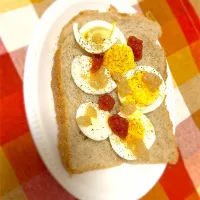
98, 36
85, 80
144, 99
141, 136
93, 122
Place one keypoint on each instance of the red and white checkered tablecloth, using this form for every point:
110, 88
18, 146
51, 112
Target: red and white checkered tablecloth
23, 174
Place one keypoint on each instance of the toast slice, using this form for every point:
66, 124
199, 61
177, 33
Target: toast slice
78, 153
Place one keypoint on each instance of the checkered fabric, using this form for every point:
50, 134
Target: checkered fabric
23, 174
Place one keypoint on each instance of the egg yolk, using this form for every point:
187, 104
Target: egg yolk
141, 95
135, 133
119, 58
98, 34
91, 112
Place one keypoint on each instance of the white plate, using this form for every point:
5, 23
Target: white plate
117, 183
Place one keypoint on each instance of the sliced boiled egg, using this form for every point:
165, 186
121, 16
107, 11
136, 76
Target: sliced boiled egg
98, 83
141, 136
98, 36
145, 98
93, 122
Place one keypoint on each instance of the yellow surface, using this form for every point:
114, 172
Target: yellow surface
119, 58
42, 6
135, 131
198, 190
157, 192
7, 5
174, 82
194, 196
196, 118
172, 38
8, 180
160, 10
141, 95
182, 66
16, 194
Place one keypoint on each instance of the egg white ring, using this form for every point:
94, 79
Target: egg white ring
99, 130
89, 46
102, 24
81, 66
149, 137
162, 87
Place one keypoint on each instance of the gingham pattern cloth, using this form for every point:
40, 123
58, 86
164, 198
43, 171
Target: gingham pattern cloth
23, 174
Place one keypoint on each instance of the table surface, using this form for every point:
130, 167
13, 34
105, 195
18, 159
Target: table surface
23, 174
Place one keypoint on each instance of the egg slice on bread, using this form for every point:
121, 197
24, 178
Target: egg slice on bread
97, 83
98, 36
93, 122
140, 137
148, 88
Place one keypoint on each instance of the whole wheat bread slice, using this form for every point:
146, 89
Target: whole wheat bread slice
78, 153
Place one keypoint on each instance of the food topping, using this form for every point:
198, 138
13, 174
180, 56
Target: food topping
99, 79
122, 84
117, 77
96, 36
106, 102
91, 111
141, 96
119, 58
136, 46
97, 61
138, 140
127, 109
93, 122
148, 92
96, 83
123, 88
136, 130
152, 81
84, 121
119, 125
112, 65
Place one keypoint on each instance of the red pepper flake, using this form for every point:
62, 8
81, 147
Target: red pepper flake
106, 102
119, 125
136, 46
97, 61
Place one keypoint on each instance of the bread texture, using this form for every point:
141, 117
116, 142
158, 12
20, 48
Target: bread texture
78, 153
